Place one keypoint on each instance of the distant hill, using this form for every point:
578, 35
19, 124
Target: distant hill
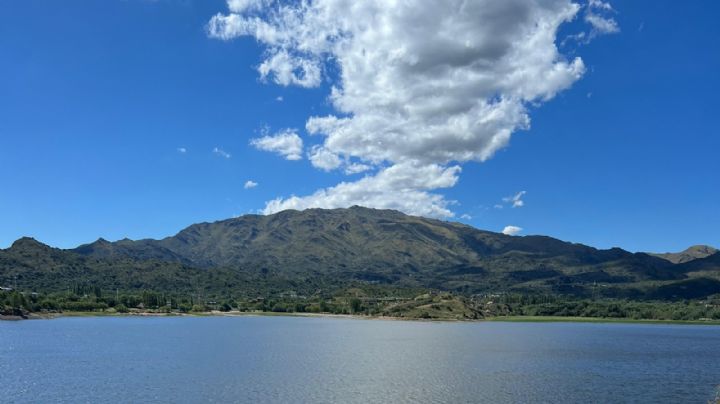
317, 248
690, 254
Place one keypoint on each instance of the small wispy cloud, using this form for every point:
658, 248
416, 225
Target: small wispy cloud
181, 150
603, 5
222, 153
279, 98
465, 216
286, 143
250, 184
602, 25
599, 16
511, 230
516, 200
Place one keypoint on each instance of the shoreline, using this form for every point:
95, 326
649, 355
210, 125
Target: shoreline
507, 319
605, 320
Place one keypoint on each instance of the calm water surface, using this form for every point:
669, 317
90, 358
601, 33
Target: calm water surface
323, 360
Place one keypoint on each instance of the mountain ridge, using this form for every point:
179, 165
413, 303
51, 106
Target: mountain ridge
338, 247
689, 254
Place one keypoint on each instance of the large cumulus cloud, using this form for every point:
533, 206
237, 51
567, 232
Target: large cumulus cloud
420, 87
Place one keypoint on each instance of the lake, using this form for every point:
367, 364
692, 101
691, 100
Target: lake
339, 360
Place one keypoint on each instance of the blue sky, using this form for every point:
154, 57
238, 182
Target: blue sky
98, 98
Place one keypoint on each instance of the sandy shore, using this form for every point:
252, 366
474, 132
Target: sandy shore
528, 319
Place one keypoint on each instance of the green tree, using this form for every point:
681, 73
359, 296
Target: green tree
355, 305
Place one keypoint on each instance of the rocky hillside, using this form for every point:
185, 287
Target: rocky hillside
335, 248
690, 254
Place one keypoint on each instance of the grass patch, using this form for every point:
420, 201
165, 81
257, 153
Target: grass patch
560, 319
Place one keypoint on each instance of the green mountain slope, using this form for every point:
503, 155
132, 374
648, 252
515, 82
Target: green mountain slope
316, 248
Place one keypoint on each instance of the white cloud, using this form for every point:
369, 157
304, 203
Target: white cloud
286, 69
419, 84
516, 200
279, 98
465, 216
286, 143
598, 15
602, 5
181, 150
602, 25
511, 230
498, 206
222, 153
402, 187
239, 6
324, 159
250, 184
354, 168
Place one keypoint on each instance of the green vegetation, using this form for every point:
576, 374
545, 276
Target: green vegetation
369, 301
358, 261
514, 305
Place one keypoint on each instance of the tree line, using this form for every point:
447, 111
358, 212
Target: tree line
372, 301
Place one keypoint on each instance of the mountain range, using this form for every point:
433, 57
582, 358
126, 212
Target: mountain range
690, 254
304, 251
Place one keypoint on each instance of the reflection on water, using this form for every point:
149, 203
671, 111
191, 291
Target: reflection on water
323, 360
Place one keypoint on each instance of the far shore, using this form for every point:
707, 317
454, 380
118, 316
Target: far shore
560, 319
511, 319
